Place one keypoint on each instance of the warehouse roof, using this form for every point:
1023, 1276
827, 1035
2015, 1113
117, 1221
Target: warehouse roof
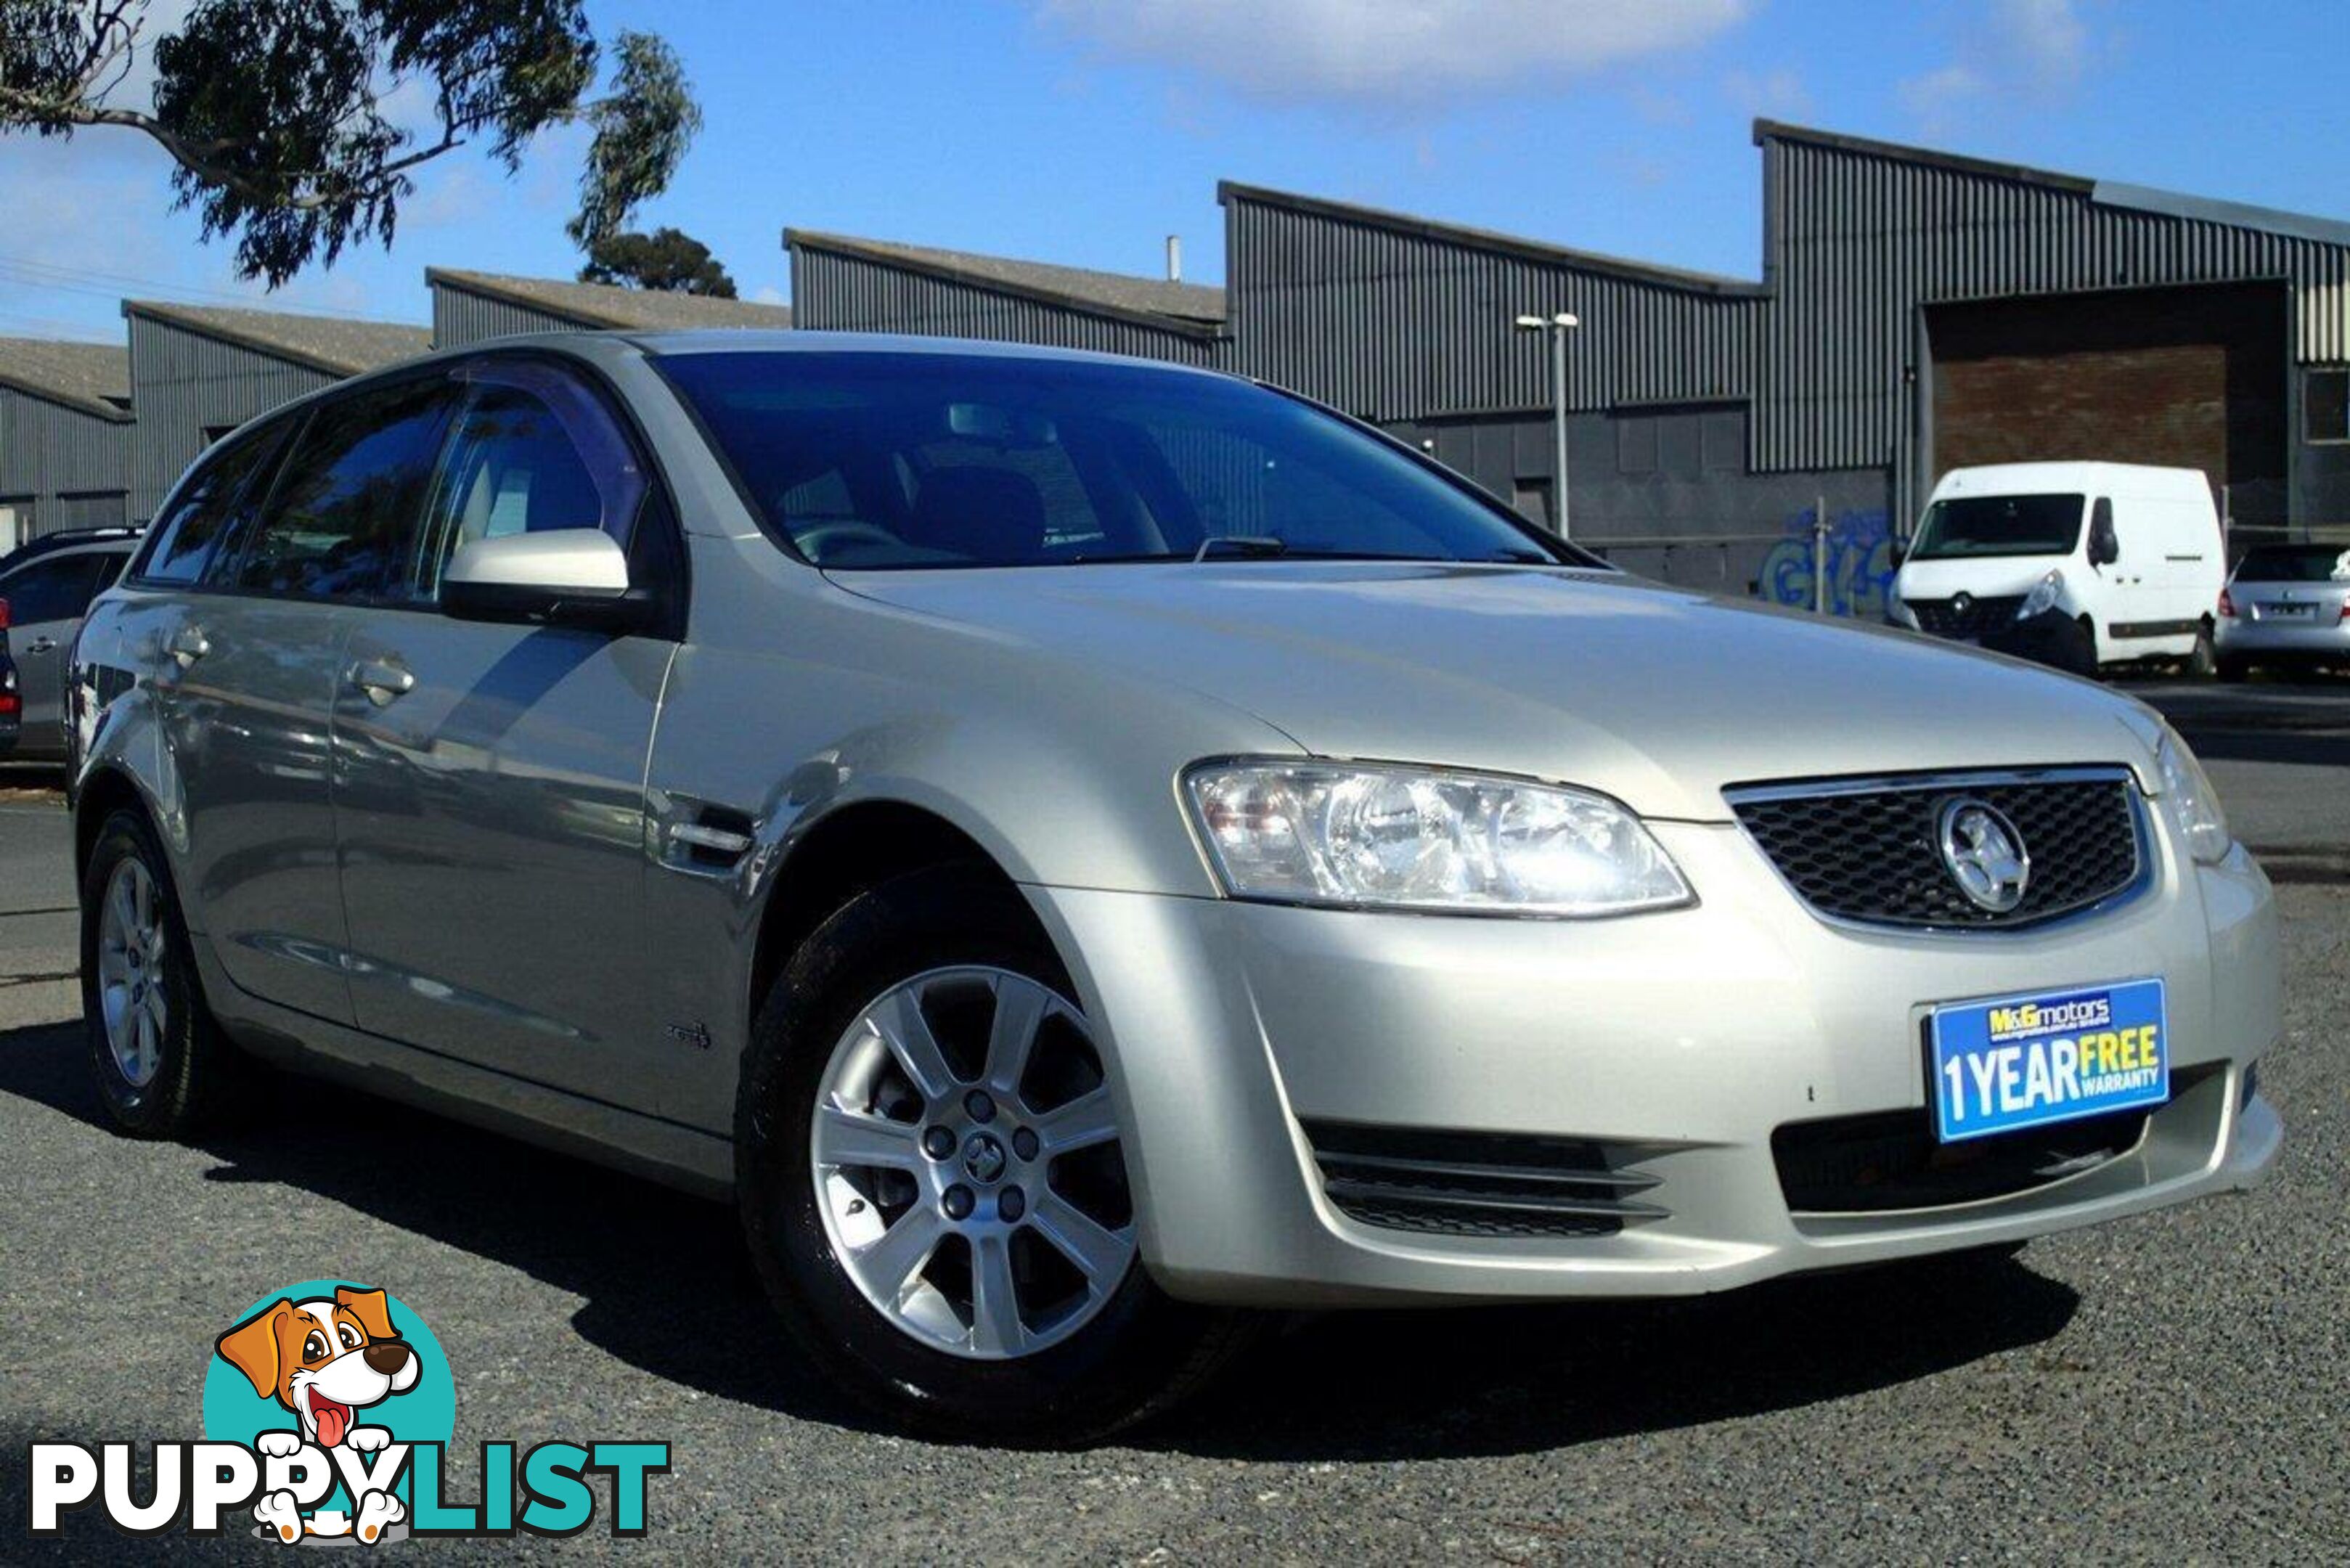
339, 344
1192, 307
608, 306
89, 378
2107, 192
1535, 250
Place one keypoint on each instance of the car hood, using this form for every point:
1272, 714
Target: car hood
1655, 695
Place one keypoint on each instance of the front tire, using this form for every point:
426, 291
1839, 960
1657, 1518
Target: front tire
932, 1180
2203, 660
164, 1068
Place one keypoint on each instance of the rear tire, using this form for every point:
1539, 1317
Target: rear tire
2202, 661
163, 1066
822, 1210
2232, 671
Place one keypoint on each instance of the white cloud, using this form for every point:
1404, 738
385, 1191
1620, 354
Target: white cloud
1384, 53
2009, 53
2048, 39
1935, 98
1775, 93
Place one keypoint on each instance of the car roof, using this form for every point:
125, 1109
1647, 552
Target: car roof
67, 541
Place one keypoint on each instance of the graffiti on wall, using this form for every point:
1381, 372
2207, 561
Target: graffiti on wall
1858, 550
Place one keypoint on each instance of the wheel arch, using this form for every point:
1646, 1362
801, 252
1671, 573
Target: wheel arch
847, 852
100, 794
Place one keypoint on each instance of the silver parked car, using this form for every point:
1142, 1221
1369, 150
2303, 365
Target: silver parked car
44, 587
2286, 606
1078, 849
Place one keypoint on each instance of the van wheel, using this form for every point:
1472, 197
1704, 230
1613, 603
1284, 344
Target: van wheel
163, 1066
933, 1183
2077, 654
2203, 661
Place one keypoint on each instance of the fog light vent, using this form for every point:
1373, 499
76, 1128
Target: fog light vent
1481, 1183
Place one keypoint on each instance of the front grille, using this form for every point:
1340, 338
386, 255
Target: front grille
1480, 1183
1871, 852
1871, 1164
1977, 618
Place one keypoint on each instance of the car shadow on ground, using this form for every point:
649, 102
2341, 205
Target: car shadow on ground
666, 1289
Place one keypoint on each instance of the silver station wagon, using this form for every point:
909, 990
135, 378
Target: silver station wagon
1079, 849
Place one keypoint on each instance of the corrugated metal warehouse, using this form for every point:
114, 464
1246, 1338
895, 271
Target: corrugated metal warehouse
873, 286
1916, 311
65, 436
471, 306
198, 371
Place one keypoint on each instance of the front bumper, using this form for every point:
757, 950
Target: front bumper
1693, 1035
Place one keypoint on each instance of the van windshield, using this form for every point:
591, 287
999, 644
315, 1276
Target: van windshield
869, 460
1973, 525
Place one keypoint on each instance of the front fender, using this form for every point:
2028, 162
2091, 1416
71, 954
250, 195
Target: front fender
123, 732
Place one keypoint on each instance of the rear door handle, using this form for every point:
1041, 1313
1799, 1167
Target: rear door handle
381, 680
188, 645
42, 645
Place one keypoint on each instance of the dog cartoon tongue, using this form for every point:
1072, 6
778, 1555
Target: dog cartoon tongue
333, 1420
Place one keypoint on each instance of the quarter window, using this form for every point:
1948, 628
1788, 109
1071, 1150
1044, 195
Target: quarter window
344, 512
207, 508
532, 452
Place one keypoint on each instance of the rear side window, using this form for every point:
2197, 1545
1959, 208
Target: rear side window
344, 512
533, 452
206, 509
58, 588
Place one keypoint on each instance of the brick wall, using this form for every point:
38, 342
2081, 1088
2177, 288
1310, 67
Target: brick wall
2190, 378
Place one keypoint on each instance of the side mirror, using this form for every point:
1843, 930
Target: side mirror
1897, 550
2104, 548
569, 577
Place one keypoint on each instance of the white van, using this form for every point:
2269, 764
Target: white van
2075, 563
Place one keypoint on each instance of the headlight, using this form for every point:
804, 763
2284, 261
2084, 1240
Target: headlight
2194, 804
1421, 838
2042, 596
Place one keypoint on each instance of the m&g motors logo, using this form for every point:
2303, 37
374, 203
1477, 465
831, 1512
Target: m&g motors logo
327, 1409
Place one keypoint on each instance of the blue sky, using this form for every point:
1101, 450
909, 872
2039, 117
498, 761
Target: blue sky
1083, 132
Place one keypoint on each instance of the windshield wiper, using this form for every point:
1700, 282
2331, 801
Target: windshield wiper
1253, 544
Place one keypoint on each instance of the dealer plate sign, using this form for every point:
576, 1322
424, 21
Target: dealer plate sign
2048, 1056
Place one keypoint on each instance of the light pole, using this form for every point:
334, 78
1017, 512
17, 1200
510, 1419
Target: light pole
1558, 325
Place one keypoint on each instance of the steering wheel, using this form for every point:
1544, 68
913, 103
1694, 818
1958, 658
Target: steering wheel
818, 542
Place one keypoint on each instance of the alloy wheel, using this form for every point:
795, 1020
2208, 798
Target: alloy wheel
130, 972
968, 1165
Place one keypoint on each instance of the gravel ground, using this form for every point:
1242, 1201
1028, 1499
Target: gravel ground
2172, 1387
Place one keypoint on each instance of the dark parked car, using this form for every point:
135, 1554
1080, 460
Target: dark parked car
46, 586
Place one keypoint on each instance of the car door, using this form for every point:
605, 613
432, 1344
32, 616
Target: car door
253, 662
46, 598
490, 777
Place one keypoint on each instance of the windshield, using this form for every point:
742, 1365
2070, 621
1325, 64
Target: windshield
868, 459
1972, 526
2295, 564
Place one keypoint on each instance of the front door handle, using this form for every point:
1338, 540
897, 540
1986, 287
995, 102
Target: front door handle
187, 644
381, 680
42, 645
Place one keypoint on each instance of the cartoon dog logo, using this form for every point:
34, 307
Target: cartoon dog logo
325, 1359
